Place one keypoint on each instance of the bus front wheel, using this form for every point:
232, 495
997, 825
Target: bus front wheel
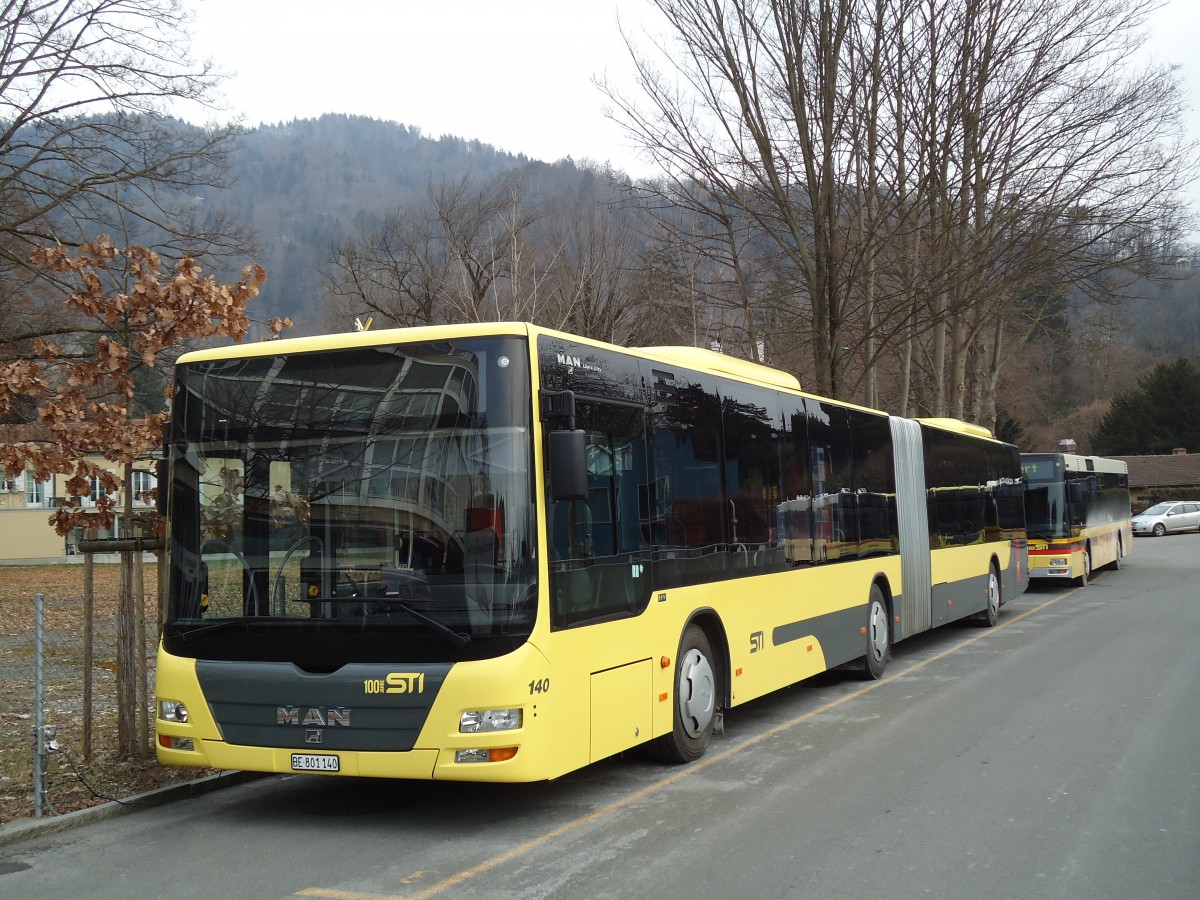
1082, 579
879, 636
1115, 565
696, 698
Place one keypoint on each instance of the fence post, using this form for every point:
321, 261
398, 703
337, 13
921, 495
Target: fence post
39, 741
89, 587
141, 666
161, 561
127, 693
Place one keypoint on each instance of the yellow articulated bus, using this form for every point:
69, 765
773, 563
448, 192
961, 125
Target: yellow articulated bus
1078, 514
495, 552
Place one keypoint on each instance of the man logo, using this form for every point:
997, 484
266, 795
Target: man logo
313, 715
575, 362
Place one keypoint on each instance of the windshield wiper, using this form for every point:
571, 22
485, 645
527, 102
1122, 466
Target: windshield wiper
457, 638
202, 630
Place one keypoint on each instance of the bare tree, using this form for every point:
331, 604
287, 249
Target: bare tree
84, 137
451, 258
759, 125
919, 167
392, 272
482, 251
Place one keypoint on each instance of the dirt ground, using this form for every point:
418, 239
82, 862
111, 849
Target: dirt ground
74, 781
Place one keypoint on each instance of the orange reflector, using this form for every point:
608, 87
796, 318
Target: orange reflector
949, 602
810, 648
665, 662
739, 671
663, 696
863, 630
500, 754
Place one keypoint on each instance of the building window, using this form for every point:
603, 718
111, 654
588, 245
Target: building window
140, 483
98, 489
35, 491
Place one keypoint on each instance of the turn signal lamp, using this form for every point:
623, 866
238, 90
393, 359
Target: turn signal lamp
496, 754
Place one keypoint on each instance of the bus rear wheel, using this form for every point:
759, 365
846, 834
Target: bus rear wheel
991, 613
879, 636
696, 698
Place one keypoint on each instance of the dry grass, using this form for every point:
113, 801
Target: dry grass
73, 782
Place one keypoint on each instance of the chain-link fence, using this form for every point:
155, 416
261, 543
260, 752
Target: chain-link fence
91, 738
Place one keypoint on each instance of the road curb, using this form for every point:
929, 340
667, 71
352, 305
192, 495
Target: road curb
26, 829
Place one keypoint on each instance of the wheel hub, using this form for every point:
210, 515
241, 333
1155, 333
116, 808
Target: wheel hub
697, 692
879, 630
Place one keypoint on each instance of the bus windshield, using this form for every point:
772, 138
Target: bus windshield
1046, 509
372, 504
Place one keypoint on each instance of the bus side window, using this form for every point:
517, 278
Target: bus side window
596, 544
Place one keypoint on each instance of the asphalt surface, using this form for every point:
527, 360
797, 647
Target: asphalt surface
1054, 756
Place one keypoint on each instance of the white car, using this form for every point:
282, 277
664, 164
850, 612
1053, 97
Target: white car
1170, 516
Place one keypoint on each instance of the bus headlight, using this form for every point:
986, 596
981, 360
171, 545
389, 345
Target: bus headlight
477, 721
1058, 562
172, 711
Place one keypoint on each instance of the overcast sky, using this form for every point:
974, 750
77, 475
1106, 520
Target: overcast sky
516, 74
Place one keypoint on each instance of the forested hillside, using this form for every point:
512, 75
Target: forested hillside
304, 185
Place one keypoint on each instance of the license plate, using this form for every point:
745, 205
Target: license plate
314, 762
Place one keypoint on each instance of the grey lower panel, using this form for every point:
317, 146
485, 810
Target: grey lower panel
840, 634
359, 707
959, 599
1014, 580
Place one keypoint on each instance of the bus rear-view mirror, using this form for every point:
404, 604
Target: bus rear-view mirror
568, 464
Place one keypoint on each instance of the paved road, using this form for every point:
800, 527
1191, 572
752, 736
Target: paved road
1056, 756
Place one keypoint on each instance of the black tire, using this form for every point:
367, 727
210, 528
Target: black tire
1159, 529
1082, 579
991, 613
697, 693
879, 636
